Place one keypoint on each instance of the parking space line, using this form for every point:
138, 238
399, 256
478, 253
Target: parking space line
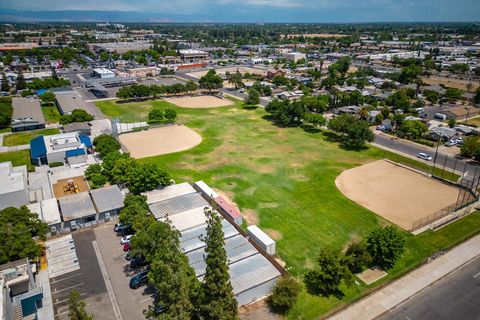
75, 275
478, 274
68, 288
108, 284
65, 300
145, 300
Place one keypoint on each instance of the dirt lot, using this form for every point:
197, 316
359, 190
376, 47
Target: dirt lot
199, 102
222, 71
398, 194
158, 141
449, 82
58, 187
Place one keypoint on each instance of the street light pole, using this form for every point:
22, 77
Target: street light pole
435, 157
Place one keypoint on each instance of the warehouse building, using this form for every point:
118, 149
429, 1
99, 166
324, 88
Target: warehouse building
13, 186
169, 192
252, 275
67, 101
108, 201
71, 148
27, 114
77, 211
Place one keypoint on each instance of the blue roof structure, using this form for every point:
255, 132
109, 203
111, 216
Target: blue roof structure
86, 140
38, 149
74, 152
41, 91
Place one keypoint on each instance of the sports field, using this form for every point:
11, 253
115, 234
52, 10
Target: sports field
394, 192
159, 141
201, 102
284, 179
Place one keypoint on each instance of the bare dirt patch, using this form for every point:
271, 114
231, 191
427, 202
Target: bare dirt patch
62, 187
158, 141
274, 234
398, 194
250, 216
450, 82
199, 102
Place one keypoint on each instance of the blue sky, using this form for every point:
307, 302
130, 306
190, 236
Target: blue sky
274, 10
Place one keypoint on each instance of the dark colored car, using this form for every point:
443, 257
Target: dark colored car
125, 231
118, 226
139, 280
137, 262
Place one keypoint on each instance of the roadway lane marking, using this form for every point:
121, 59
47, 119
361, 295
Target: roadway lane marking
108, 284
478, 274
76, 275
77, 285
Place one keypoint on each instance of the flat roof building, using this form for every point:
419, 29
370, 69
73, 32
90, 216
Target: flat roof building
193, 55
108, 201
13, 186
67, 101
103, 73
27, 114
69, 147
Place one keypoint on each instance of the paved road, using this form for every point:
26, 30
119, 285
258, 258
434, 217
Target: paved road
455, 297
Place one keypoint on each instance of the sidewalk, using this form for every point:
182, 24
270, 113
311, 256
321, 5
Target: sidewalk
400, 290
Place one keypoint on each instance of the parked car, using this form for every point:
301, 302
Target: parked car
138, 280
128, 256
137, 262
125, 239
118, 226
125, 231
126, 246
451, 143
381, 128
459, 141
424, 156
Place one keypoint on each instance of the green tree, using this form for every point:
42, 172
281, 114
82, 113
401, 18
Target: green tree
77, 115
315, 119
20, 83
453, 93
353, 133
146, 176
18, 227
253, 98
5, 85
331, 272
357, 256
413, 128
92, 169
284, 295
105, 144
235, 79
122, 168
385, 245
98, 180
47, 98
155, 116
211, 81
76, 307
476, 97
471, 147
170, 115
134, 211
217, 300
452, 122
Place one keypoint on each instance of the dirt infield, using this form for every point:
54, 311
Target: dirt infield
398, 194
199, 102
159, 141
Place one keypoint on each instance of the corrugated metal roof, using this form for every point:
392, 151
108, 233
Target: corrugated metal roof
191, 239
237, 248
76, 206
251, 272
187, 219
169, 192
108, 198
178, 204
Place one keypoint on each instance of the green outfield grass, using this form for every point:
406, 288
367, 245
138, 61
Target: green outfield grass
283, 179
20, 138
127, 113
18, 158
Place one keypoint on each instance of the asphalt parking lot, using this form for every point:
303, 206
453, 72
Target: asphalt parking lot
87, 280
131, 302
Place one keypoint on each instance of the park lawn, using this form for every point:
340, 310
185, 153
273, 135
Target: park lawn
283, 179
5, 130
18, 158
130, 112
51, 113
475, 121
20, 138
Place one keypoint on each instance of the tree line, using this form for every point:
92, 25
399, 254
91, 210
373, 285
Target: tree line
141, 91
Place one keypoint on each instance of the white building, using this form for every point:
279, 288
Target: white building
13, 186
294, 56
103, 73
71, 148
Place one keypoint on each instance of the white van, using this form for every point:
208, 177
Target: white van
440, 116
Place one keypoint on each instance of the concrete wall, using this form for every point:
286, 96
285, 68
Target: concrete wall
58, 156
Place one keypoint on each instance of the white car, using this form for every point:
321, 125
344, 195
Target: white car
125, 239
424, 156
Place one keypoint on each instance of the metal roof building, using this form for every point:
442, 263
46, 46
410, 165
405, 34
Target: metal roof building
107, 199
67, 101
187, 219
177, 204
27, 114
192, 239
237, 248
76, 206
169, 192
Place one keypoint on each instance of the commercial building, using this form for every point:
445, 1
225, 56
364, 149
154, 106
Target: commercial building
13, 186
27, 114
108, 202
71, 148
294, 56
192, 55
103, 73
20, 295
77, 210
67, 101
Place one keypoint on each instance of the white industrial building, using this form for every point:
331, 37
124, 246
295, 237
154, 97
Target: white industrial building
13, 186
71, 148
252, 275
103, 73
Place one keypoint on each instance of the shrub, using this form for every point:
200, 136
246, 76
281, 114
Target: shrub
98, 180
170, 115
385, 245
105, 144
95, 168
55, 164
357, 256
284, 295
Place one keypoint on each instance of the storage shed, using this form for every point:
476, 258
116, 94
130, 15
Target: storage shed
205, 190
263, 240
229, 209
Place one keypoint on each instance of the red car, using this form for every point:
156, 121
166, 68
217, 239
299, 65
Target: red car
126, 246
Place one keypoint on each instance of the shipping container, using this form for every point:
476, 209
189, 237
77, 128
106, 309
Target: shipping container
262, 239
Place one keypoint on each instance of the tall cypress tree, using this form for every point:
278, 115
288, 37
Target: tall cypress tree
5, 84
217, 300
21, 83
